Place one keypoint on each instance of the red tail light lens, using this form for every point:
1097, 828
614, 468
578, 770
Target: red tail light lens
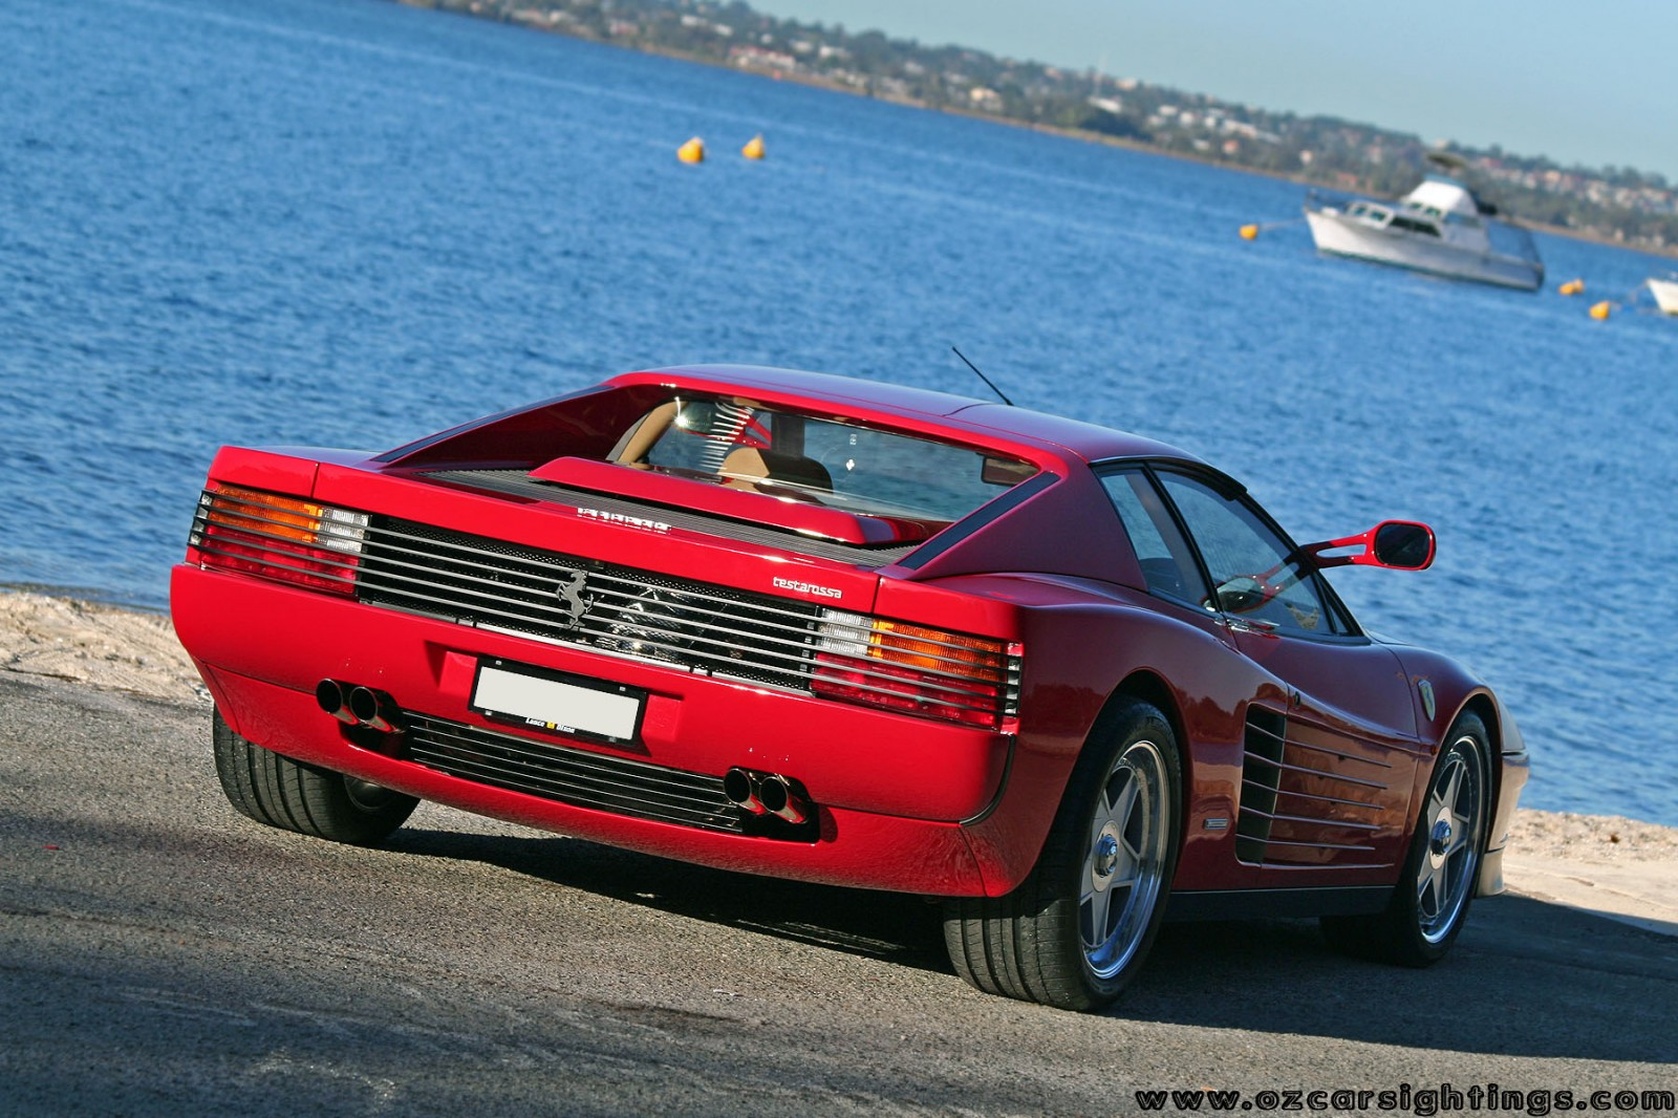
284, 538
918, 670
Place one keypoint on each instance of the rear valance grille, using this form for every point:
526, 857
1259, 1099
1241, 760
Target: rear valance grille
564, 599
571, 776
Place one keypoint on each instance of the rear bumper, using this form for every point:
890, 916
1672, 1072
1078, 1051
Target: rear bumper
891, 791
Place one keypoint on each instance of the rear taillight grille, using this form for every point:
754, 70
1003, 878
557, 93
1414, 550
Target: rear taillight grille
565, 599
639, 615
284, 538
918, 670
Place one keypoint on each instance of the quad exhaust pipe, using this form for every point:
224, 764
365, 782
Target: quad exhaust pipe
775, 793
355, 705
334, 699
741, 790
765, 794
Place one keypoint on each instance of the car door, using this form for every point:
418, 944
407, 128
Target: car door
1330, 748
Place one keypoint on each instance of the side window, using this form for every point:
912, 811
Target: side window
1248, 562
1167, 563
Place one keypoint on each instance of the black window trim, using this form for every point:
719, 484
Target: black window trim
1232, 489
1104, 470
1006, 501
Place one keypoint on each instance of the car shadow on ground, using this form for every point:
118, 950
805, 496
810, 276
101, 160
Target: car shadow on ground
904, 930
1526, 978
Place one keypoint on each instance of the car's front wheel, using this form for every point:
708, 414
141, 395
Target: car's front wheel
1076, 931
1430, 904
295, 796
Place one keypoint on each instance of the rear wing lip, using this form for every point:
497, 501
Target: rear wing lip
786, 509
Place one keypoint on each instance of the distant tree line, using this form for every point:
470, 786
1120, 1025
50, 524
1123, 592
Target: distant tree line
1634, 208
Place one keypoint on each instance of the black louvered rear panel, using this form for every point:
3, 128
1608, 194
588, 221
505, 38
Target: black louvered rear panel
492, 584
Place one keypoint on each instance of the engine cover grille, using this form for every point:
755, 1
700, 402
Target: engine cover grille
492, 584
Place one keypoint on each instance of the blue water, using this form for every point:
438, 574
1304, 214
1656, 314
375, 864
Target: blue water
350, 223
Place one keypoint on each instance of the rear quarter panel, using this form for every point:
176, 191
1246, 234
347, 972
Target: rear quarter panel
1082, 642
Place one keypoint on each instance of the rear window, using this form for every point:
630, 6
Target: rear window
861, 469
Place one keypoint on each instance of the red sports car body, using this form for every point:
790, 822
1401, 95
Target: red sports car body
799, 625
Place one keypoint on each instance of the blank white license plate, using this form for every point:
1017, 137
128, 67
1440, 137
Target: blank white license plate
562, 704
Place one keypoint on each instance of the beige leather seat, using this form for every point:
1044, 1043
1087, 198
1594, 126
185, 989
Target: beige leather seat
747, 465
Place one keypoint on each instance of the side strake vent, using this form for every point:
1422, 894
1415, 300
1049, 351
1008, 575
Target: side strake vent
564, 599
1298, 806
1261, 772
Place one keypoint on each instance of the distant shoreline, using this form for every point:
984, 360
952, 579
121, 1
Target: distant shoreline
1120, 142
816, 82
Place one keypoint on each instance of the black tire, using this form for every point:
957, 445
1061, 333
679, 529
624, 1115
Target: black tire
1077, 930
1430, 903
310, 800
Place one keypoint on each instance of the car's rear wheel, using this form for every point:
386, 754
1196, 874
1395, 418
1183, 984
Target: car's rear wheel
1077, 930
1430, 904
295, 796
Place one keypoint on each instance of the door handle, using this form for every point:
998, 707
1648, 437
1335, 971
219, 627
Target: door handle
1250, 625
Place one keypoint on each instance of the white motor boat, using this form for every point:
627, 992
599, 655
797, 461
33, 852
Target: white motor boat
1666, 293
1440, 227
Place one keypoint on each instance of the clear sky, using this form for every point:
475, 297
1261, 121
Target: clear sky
1593, 83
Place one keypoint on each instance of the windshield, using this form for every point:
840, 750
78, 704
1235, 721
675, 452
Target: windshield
844, 465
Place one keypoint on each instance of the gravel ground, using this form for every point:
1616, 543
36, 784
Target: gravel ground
161, 955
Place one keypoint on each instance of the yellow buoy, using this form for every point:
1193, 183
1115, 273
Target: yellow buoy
1249, 232
692, 152
754, 147
1572, 287
1600, 311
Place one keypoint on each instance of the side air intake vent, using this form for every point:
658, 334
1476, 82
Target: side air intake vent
1305, 804
1261, 771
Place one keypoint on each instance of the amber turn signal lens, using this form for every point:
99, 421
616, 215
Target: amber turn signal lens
917, 670
284, 538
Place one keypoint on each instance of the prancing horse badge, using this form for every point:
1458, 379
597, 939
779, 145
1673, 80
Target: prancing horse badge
569, 591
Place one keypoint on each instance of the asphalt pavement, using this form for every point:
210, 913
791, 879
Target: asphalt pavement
162, 955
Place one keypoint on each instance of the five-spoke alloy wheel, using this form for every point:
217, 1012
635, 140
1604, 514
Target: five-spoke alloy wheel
1431, 901
1077, 930
1124, 868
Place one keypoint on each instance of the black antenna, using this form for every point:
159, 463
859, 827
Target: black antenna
981, 376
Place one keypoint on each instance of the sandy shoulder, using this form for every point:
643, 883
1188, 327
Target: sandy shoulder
104, 646
1613, 866
1609, 865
